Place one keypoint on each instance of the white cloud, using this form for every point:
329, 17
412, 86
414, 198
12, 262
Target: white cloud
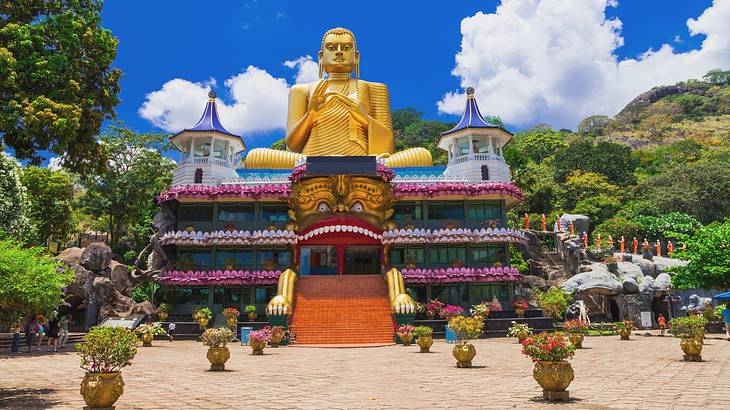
55, 163
256, 101
553, 61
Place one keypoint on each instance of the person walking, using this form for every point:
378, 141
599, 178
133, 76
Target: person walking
171, 330
63, 326
16, 328
41, 329
662, 323
52, 335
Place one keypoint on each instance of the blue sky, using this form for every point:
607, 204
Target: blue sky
411, 46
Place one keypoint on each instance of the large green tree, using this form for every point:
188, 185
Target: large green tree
13, 197
603, 157
57, 85
30, 280
122, 196
708, 253
51, 195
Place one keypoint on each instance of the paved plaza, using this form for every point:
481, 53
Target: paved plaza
643, 373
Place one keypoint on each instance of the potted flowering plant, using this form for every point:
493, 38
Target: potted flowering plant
202, 314
216, 340
624, 328
104, 352
148, 331
425, 338
481, 310
451, 311
231, 315
433, 308
520, 307
276, 335
163, 311
692, 330
495, 305
576, 329
552, 371
466, 329
258, 340
519, 330
405, 333
251, 312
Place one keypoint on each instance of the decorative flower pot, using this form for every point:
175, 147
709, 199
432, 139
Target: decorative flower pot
692, 348
425, 343
522, 335
218, 356
275, 341
430, 314
576, 339
196, 315
464, 354
257, 348
407, 340
232, 321
163, 316
101, 390
554, 378
520, 312
252, 316
625, 333
203, 322
147, 339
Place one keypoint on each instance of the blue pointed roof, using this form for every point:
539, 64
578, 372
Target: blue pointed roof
210, 121
472, 117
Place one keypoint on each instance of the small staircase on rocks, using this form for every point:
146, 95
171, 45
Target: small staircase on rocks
343, 309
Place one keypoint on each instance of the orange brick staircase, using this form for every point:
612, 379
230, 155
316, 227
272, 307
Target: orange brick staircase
346, 309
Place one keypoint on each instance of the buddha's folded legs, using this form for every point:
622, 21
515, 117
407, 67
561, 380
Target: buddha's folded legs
268, 158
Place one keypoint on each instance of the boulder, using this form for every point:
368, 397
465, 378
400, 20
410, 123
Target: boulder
598, 278
663, 264
580, 223
120, 278
663, 282
630, 286
534, 282
70, 255
647, 267
77, 291
632, 305
144, 308
116, 305
96, 257
585, 268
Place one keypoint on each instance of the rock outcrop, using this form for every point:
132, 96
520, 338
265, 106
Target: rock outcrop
101, 281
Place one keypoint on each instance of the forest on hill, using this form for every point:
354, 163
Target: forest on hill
659, 170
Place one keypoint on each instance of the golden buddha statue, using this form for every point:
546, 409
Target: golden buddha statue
338, 115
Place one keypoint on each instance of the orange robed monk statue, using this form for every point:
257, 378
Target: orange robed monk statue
338, 115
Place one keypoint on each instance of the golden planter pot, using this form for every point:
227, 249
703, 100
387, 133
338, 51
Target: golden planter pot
554, 378
522, 335
102, 390
406, 340
232, 321
276, 341
430, 314
163, 316
625, 333
576, 339
464, 354
520, 312
425, 343
692, 348
257, 348
252, 316
147, 339
203, 322
218, 356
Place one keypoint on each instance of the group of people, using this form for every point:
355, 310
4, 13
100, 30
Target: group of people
37, 328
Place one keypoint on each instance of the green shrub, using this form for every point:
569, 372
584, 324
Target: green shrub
107, 349
554, 302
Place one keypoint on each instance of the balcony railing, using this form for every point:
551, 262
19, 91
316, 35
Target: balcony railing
205, 160
475, 157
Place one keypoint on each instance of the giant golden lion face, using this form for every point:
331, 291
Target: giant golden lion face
315, 199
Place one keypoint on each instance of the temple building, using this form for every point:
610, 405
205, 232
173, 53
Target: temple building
339, 247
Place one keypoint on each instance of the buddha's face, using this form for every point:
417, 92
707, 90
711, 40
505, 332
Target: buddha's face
338, 53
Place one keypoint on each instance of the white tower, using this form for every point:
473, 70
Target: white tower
208, 152
475, 146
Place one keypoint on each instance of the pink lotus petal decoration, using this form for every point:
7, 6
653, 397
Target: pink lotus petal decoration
227, 277
460, 275
457, 188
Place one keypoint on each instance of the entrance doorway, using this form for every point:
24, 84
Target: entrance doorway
362, 260
318, 260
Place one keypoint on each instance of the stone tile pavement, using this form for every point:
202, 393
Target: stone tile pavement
643, 373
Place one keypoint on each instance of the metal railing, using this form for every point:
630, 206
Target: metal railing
475, 157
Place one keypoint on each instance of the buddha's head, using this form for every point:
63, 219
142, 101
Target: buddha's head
338, 53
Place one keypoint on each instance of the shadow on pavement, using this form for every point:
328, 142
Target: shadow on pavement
26, 398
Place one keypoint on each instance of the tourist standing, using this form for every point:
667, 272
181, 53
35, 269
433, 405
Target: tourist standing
662, 323
17, 327
171, 330
726, 319
30, 331
52, 335
63, 325
41, 329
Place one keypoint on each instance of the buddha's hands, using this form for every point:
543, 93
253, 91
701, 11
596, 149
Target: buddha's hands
318, 98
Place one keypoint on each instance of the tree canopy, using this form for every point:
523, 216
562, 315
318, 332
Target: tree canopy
51, 195
56, 78
13, 197
708, 253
